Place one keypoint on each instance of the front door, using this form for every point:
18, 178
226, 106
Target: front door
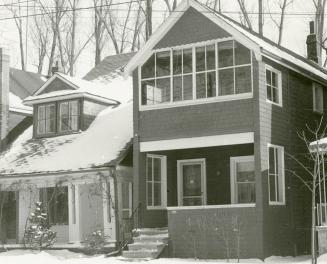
191, 182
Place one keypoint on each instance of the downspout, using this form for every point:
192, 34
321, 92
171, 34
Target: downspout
113, 173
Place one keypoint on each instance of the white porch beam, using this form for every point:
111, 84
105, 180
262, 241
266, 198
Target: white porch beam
197, 142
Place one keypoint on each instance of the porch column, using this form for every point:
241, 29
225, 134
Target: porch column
109, 217
74, 213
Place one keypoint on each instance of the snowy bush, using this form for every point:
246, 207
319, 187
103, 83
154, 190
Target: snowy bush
38, 234
95, 242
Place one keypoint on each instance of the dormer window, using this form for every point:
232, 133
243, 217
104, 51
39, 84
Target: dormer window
46, 119
68, 116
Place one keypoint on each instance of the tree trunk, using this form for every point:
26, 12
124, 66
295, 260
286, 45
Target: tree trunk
53, 49
72, 49
148, 19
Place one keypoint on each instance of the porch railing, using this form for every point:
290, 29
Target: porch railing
131, 224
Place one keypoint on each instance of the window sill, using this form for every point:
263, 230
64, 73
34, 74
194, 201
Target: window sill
277, 203
156, 208
197, 101
222, 206
317, 112
273, 103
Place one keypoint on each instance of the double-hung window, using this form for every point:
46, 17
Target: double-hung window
68, 116
46, 119
242, 179
318, 98
156, 181
276, 176
274, 86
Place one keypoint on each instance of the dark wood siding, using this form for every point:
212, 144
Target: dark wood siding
191, 27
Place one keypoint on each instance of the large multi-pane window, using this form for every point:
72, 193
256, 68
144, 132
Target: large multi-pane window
155, 181
276, 181
68, 116
212, 70
46, 119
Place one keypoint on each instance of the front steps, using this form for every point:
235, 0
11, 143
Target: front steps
148, 243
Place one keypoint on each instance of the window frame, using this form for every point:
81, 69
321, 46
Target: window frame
233, 180
314, 87
45, 119
163, 160
194, 101
279, 83
281, 161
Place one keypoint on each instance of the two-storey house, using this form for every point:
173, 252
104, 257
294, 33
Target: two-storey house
217, 109
75, 158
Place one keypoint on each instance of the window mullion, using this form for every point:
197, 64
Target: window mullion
171, 75
193, 73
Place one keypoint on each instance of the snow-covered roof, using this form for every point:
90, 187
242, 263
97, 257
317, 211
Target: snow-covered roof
16, 105
105, 139
319, 145
117, 89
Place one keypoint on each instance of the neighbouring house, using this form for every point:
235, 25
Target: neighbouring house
16, 85
76, 157
217, 109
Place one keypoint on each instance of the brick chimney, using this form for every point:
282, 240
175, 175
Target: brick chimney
4, 96
56, 68
312, 42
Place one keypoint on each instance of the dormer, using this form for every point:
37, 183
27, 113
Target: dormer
66, 105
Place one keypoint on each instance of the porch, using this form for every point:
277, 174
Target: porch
207, 198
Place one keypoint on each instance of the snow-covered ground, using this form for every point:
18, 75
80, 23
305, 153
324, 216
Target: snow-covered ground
67, 257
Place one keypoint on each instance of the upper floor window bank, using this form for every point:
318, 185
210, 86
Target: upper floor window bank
191, 73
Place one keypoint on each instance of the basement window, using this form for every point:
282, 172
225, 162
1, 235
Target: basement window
318, 98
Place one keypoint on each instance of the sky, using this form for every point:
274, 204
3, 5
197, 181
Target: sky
297, 19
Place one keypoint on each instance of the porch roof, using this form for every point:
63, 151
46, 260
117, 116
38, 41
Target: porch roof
319, 145
102, 144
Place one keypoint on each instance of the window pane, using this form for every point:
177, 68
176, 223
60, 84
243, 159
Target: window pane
41, 112
200, 59
161, 93
187, 87
274, 95
211, 57
177, 61
319, 98
41, 127
149, 169
211, 84
149, 193
269, 93
243, 80
192, 180
272, 161
225, 54
148, 68
272, 188
73, 107
50, 125
157, 194
51, 111
163, 63
200, 85
187, 61
274, 80
268, 77
73, 122
226, 82
242, 54
246, 193
245, 172
64, 109
157, 169
148, 89
177, 88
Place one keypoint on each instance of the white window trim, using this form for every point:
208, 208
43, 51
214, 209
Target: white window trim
163, 160
233, 161
314, 98
201, 161
280, 85
194, 101
281, 149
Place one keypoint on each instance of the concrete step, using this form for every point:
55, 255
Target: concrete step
140, 254
163, 238
151, 231
146, 245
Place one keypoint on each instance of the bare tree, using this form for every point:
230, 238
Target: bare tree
16, 9
171, 6
245, 14
282, 4
310, 173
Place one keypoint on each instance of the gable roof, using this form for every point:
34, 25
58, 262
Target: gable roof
260, 45
106, 139
109, 66
117, 91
